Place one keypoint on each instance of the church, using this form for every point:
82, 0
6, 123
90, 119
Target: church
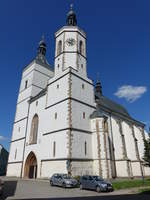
64, 124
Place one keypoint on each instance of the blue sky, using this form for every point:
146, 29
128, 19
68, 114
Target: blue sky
118, 47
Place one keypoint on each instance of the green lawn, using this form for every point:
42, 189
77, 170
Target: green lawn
122, 184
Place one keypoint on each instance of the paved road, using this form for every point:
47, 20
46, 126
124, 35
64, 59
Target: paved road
123, 197
39, 189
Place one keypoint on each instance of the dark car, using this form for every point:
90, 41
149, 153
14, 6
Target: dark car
63, 180
95, 183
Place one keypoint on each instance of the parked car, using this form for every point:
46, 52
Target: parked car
1, 186
95, 183
63, 180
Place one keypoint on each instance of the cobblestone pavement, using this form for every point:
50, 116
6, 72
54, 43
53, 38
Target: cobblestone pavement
36, 189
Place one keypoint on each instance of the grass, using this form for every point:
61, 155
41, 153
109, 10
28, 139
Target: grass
124, 184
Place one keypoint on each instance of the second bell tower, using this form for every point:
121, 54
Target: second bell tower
70, 50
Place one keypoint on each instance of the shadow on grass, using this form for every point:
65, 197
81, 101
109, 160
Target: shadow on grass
145, 192
9, 189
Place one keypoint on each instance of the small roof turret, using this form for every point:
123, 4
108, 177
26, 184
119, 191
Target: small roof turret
71, 17
41, 51
42, 46
98, 88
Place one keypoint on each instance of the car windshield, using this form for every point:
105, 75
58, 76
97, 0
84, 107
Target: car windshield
65, 176
97, 178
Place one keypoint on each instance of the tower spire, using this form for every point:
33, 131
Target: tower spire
71, 17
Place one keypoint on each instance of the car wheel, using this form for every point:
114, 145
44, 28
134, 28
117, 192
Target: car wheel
51, 183
81, 187
64, 185
98, 189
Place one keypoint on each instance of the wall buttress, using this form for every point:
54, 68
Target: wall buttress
98, 147
105, 135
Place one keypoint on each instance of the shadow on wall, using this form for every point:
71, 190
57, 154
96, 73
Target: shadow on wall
9, 189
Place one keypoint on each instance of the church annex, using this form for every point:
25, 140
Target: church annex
65, 125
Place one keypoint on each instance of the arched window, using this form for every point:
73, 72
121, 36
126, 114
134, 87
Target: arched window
81, 47
59, 47
34, 129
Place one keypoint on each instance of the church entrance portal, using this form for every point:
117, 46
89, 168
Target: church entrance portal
30, 169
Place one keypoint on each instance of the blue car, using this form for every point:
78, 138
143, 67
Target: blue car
95, 183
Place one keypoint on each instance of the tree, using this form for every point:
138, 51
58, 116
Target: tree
146, 157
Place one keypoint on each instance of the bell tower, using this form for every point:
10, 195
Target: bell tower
70, 49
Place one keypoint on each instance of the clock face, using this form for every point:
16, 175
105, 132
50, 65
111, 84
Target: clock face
70, 41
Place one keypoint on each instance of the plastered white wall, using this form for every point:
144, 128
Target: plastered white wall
121, 168
136, 170
140, 142
129, 140
56, 94
16, 146
48, 168
14, 169
82, 168
85, 94
78, 145
117, 139
19, 129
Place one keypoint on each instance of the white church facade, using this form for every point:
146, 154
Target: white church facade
63, 124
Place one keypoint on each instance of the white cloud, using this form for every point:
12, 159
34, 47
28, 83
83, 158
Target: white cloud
2, 137
130, 93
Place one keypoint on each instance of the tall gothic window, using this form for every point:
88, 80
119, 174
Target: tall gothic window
81, 47
34, 129
59, 47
